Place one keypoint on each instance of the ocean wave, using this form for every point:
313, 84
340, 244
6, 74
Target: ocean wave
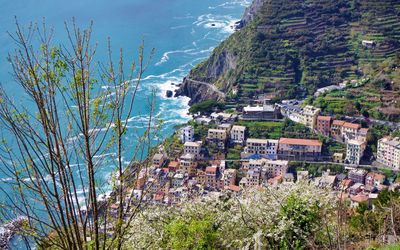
166, 55
224, 23
232, 4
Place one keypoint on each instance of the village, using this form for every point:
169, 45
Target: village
199, 165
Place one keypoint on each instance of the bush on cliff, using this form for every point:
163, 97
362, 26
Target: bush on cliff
206, 107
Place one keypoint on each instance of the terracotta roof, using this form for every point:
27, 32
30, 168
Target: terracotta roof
173, 164
364, 131
359, 198
275, 179
346, 183
377, 176
211, 169
351, 125
305, 142
338, 122
234, 188
324, 118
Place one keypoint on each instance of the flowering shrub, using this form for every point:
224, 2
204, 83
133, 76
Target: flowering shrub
294, 216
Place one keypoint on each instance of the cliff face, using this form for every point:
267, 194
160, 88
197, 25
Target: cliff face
199, 91
289, 48
251, 11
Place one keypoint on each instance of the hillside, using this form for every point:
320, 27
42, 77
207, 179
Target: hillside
289, 48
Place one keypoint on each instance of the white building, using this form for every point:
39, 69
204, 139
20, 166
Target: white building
355, 151
389, 152
261, 147
186, 134
238, 134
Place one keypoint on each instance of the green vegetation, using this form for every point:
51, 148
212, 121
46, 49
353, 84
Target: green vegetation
194, 233
291, 48
300, 216
205, 107
270, 130
276, 130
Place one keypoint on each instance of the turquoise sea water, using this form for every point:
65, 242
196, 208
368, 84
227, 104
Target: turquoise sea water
183, 32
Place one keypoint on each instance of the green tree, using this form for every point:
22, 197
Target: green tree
193, 233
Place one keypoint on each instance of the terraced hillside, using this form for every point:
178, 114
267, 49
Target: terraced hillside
293, 47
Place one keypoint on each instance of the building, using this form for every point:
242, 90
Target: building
324, 125
173, 166
299, 149
357, 175
306, 116
336, 129
222, 117
338, 157
225, 126
186, 134
266, 167
374, 179
362, 134
309, 116
188, 164
238, 134
217, 137
229, 177
350, 131
260, 113
355, 151
253, 178
388, 152
192, 148
273, 168
158, 160
212, 177
368, 44
265, 147
344, 131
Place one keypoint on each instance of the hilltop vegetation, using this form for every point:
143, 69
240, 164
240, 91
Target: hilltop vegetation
291, 48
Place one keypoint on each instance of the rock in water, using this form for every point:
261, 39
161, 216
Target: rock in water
169, 93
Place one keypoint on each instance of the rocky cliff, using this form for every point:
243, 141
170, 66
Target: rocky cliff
199, 91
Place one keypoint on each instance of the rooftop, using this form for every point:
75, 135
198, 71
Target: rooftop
338, 122
240, 128
192, 144
158, 157
234, 188
255, 140
211, 169
351, 125
355, 142
359, 198
304, 142
324, 118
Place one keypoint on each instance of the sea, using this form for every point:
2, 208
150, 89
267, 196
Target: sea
182, 32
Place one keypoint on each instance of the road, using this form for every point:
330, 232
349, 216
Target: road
209, 85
